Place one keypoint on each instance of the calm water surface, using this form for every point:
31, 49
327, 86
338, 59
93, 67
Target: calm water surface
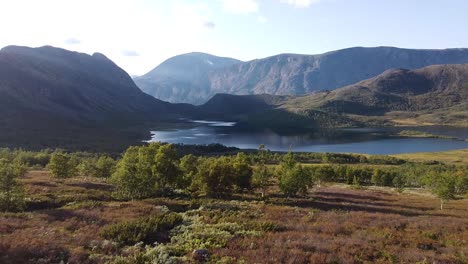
358, 140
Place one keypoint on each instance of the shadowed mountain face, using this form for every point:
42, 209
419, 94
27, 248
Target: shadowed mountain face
183, 78
285, 74
52, 92
71, 85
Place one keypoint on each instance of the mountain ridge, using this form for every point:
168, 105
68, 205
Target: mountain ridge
299, 74
50, 94
182, 76
435, 94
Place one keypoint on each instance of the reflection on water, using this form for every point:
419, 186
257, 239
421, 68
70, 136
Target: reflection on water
358, 140
215, 123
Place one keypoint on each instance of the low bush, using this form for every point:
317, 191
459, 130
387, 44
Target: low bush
147, 230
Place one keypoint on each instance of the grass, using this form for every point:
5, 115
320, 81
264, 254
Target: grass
332, 224
459, 157
420, 134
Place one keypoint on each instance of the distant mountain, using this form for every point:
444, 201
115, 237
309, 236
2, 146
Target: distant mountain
183, 78
47, 90
430, 88
436, 94
285, 74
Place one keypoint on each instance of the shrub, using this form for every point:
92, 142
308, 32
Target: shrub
62, 165
243, 171
147, 230
293, 178
215, 177
189, 168
104, 167
261, 178
11, 191
444, 187
166, 167
134, 178
144, 171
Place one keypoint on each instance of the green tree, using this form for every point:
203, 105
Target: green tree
62, 165
104, 167
86, 167
356, 183
133, 177
293, 178
261, 174
322, 174
166, 168
189, 168
215, 177
377, 177
444, 187
399, 183
462, 180
242, 171
261, 178
11, 191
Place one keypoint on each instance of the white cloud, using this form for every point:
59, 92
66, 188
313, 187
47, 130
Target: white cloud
130, 53
240, 6
209, 24
72, 41
192, 18
120, 29
262, 19
300, 3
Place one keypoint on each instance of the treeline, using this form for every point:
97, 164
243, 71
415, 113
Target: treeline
158, 169
333, 158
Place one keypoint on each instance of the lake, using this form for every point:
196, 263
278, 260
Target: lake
355, 140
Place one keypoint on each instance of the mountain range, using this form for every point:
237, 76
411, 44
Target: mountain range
196, 77
51, 97
434, 95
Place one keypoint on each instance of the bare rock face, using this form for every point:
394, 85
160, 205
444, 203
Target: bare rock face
190, 79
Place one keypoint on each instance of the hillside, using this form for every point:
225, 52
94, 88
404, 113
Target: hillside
285, 74
56, 93
183, 78
436, 94
411, 93
267, 111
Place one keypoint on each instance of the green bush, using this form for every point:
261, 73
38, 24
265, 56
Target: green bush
216, 177
147, 230
62, 165
243, 171
11, 191
146, 171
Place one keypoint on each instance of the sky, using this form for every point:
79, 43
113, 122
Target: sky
140, 34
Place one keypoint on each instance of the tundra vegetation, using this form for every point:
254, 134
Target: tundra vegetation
155, 204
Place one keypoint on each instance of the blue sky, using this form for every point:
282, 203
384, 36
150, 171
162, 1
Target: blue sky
140, 34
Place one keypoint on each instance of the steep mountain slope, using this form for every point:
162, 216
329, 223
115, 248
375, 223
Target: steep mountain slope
71, 85
183, 78
46, 91
436, 94
292, 74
